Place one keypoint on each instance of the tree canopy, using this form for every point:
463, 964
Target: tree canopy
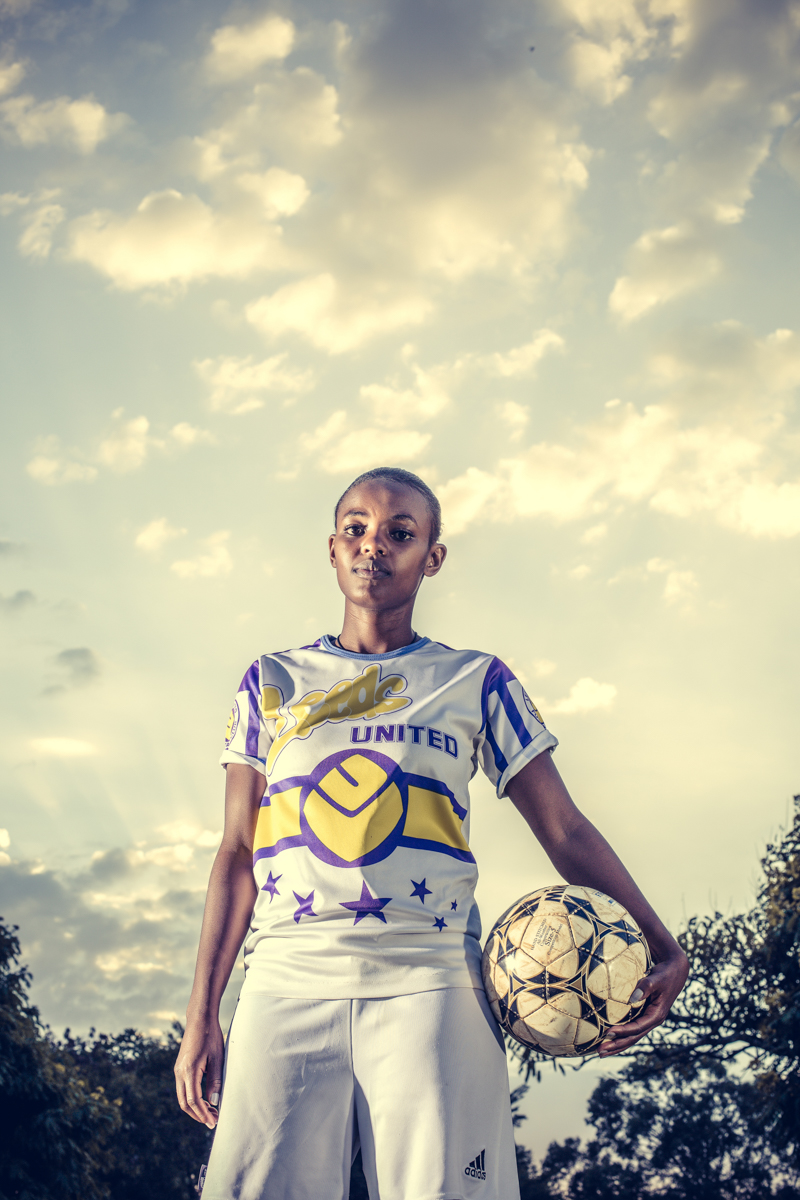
708, 1107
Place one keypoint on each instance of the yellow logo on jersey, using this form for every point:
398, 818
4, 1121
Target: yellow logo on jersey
359, 806
368, 695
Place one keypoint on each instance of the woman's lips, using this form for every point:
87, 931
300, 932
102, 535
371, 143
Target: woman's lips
371, 572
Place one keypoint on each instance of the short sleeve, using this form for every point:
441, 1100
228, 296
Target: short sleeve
513, 730
246, 738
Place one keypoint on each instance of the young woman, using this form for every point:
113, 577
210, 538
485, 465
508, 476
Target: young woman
346, 869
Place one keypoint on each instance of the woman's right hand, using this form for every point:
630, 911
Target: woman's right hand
201, 1053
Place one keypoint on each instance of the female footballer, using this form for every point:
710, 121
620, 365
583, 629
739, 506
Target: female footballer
345, 868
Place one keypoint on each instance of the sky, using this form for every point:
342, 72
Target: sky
542, 253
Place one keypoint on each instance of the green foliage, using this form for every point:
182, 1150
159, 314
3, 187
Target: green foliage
158, 1149
56, 1123
709, 1106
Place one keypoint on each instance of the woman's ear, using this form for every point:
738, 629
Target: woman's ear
436, 556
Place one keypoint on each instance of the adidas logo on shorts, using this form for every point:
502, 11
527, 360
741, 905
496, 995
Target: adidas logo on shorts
477, 1168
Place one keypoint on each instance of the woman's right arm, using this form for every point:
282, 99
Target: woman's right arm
229, 905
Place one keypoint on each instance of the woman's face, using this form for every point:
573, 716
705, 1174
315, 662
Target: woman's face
380, 549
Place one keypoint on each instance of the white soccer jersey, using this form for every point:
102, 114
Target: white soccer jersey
361, 854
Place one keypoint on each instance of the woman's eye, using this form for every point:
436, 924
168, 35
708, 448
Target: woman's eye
401, 535
355, 530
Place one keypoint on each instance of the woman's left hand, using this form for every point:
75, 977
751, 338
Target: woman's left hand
660, 989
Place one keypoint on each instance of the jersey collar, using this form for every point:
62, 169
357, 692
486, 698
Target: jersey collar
327, 644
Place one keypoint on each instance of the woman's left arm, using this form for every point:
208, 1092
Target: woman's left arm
581, 855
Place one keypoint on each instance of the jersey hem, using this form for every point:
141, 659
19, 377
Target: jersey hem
233, 756
528, 754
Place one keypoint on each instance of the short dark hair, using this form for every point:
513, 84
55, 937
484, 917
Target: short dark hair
407, 479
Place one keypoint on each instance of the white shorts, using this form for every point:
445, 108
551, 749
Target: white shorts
419, 1080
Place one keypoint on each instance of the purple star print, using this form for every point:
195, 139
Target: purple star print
304, 908
271, 886
421, 890
367, 905
440, 923
453, 906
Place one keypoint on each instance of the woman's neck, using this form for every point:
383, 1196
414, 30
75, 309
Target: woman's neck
365, 632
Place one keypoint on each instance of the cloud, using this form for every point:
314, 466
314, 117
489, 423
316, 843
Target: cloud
79, 125
112, 943
9, 547
62, 747
717, 106
76, 667
360, 449
156, 535
522, 360
595, 533
174, 239
239, 50
124, 448
37, 237
725, 366
281, 193
214, 562
332, 317
663, 264
394, 406
40, 217
633, 457
236, 382
789, 151
586, 695
11, 73
53, 468
189, 435
608, 39
515, 417
679, 586
10, 605
293, 115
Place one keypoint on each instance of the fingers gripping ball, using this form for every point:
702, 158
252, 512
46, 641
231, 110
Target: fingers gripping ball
560, 967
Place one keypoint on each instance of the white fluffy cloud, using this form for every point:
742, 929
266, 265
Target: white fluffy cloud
522, 360
174, 239
335, 450
11, 74
291, 114
53, 467
40, 217
731, 472
332, 317
238, 384
663, 264
281, 193
586, 695
239, 50
80, 125
515, 417
156, 534
394, 406
125, 447
213, 561
717, 106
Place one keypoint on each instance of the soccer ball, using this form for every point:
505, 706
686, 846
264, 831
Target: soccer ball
560, 967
